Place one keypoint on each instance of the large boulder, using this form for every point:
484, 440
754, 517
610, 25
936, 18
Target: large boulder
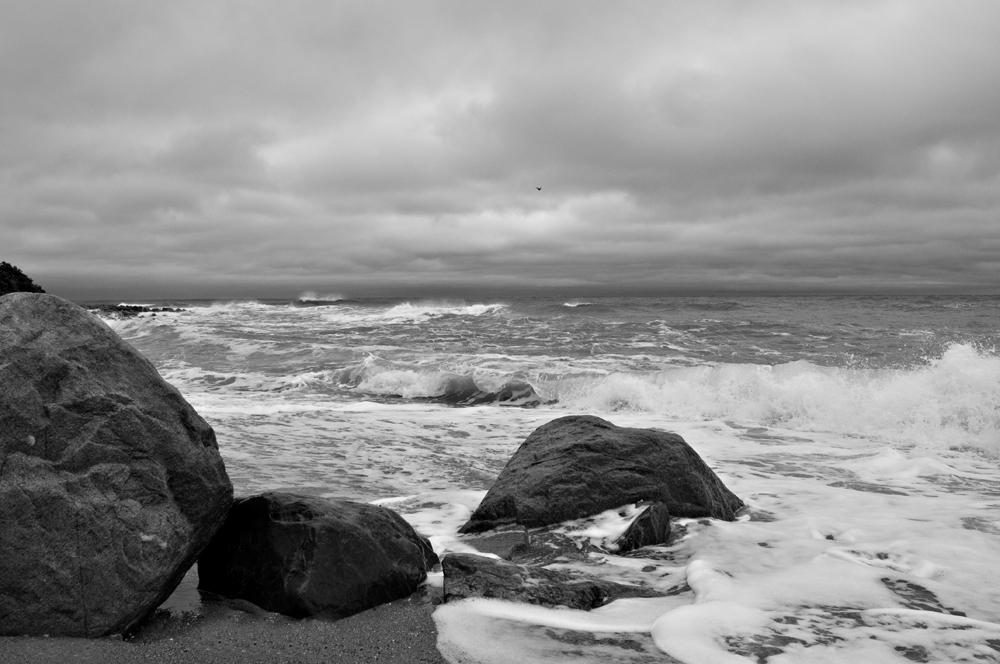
110, 483
310, 556
470, 575
581, 465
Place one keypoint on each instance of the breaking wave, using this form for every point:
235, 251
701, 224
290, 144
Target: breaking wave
312, 299
953, 401
420, 310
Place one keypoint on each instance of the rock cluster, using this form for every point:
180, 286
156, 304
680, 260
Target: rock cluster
572, 468
130, 310
111, 486
110, 483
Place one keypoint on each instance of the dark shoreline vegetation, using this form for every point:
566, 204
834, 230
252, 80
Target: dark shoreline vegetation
12, 280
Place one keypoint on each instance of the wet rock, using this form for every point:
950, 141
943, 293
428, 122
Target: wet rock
110, 483
581, 465
648, 529
469, 575
129, 310
512, 393
310, 556
505, 542
463, 391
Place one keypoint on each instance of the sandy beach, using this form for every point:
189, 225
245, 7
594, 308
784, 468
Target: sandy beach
226, 632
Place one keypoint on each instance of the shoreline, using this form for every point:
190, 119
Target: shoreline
237, 632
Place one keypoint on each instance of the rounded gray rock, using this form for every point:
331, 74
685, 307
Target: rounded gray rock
110, 482
311, 556
581, 465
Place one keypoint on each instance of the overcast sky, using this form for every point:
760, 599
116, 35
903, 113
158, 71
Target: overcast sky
231, 149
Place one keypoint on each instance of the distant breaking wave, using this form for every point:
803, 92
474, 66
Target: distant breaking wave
428, 309
310, 298
311, 295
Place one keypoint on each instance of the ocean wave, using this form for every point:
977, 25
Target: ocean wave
441, 386
309, 296
354, 313
713, 305
421, 310
952, 401
232, 306
312, 299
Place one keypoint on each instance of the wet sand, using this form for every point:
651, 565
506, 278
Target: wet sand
227, 632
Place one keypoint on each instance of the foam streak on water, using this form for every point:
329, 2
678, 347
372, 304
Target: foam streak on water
861, 432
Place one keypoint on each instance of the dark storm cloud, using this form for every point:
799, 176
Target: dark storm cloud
234, 148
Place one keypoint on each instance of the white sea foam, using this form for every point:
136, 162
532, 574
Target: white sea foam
407, 383
826, 568
603, 529
420, 310
233, 306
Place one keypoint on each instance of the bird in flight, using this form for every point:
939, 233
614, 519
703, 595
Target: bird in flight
538, 188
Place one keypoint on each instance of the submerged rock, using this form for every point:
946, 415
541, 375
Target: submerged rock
310, 556
470, 575
581, 465
130, 310
463, 391
110, 483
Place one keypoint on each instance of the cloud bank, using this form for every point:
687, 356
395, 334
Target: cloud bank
234, 149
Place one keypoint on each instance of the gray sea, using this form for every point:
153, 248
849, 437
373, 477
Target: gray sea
862, 432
